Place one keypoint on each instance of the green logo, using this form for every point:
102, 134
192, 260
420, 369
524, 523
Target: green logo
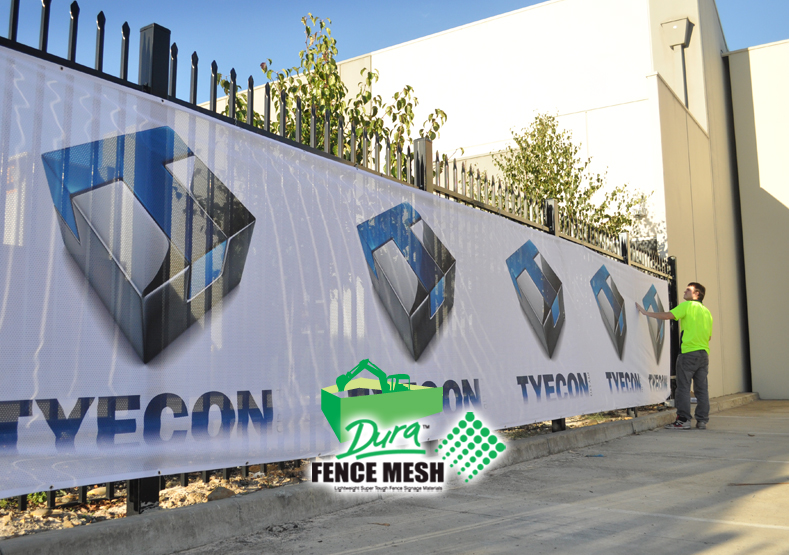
395, 401
470, 446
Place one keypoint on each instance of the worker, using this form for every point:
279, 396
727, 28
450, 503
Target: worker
693, 361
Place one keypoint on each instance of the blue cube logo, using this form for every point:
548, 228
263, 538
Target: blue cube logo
158, 236
540, 293
657, 328
412, 272
611, 305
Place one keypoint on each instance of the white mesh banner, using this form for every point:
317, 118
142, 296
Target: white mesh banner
175, 292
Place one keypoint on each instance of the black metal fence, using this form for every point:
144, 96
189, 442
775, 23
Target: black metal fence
413, 167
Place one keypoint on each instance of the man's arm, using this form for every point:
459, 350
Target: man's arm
658, 315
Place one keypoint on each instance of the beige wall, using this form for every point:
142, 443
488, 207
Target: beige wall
760, 84
702, 210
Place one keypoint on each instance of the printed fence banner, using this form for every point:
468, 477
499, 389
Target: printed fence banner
178, 294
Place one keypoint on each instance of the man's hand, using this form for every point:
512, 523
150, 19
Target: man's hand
658, 315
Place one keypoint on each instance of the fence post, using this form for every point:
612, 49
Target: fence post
141, 491
72, 32
550, 215
43, 35
624, 242
558, 425
423, 164
154, 72
673, 299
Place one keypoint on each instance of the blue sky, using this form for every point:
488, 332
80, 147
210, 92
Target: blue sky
243, 33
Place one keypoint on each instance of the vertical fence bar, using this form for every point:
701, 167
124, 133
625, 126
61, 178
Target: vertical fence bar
388, 161
173, 69
51, 499
72, 31
283, 112
232, 99
193, 80
298, 120
13, 20
267, 108
100, 21
341, 138
312, 126
437, 171
183, 479
43, 34
446, 172
365, 144
408, 166
399, 162
251, 101
326, 131
227, 473
125, 30
110, 489
214, 71
377, 153
353, 144
82, 496
22, 502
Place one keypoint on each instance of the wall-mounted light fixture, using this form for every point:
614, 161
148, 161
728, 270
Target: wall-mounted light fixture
677, 33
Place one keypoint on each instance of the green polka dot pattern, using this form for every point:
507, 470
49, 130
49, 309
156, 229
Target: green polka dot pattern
475, 439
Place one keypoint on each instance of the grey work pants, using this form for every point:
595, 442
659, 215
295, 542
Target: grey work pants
693, 366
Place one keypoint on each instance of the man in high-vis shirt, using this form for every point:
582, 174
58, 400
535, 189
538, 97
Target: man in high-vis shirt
693, 363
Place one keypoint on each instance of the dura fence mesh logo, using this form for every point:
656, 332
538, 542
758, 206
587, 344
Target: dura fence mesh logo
470, 446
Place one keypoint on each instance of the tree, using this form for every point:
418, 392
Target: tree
544, 163
316, 81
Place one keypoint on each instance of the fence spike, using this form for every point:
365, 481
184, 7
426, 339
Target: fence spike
455, 174
283, 112
408, 166
437, 172
13, 21
173, 68
125, 30
327, 131
446, 172
100, 21
341, 138
232, 99
250, 101
365, 149
353, 143
267, 108
43, 35
388, 157
312, 126
377, 153
72, 31
399, 162
298, 120
214, 78
193, 80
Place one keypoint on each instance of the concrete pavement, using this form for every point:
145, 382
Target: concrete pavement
645, 490
722, 490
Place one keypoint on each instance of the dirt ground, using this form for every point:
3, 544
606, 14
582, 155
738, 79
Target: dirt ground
68, 513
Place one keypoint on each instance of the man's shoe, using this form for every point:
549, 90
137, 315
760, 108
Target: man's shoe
701, 425
678, 425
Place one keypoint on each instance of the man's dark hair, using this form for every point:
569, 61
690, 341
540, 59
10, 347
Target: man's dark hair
700, 290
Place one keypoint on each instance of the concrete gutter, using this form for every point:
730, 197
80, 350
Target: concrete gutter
161, 532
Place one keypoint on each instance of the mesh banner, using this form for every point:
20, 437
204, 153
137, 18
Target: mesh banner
175, 293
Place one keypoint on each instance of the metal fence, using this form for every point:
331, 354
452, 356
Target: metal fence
413, 167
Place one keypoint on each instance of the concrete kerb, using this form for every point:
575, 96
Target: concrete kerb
161, 532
